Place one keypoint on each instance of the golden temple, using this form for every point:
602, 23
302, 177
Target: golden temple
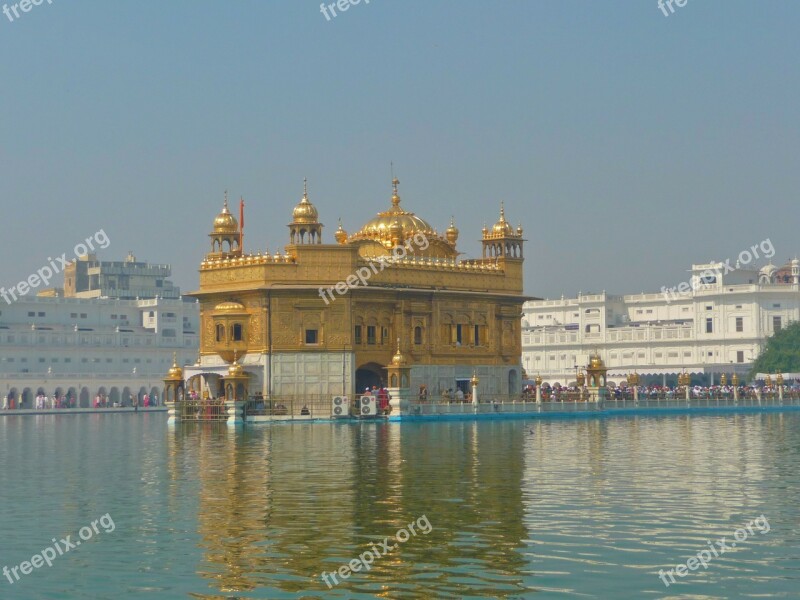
320, 319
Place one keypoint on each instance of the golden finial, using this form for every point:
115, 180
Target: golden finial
395, 193
174, 359
341, 234
305, 188
502, 211
225, 204
452, 232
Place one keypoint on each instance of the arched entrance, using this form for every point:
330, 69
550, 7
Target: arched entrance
83, 401
369, 375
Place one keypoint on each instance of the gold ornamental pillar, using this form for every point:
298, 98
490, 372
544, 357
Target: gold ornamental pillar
398, 375
173, 390
779, 381
596, 376
735, 383
474, 383
539, 381
633, 381
236, 393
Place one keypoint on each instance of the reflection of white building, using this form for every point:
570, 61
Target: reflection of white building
83, 347
719, 325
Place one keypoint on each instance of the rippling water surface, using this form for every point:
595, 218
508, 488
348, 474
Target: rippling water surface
588, 508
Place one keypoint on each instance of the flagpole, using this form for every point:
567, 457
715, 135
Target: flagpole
241, 224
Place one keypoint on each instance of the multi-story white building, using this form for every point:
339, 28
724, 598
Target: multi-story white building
83, 347
88, 277
719, 324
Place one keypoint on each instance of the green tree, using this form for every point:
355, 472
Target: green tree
781, 354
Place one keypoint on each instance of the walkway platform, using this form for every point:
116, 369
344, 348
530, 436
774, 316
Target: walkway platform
19, 412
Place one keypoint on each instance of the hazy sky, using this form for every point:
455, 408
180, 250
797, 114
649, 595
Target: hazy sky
627, 143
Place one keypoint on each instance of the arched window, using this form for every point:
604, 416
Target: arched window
236, 332
220, 333
417, 335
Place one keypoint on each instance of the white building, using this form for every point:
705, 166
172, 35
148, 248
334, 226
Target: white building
719, 325
82, 347
88, 277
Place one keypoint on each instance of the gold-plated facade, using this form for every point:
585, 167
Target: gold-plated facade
329, 318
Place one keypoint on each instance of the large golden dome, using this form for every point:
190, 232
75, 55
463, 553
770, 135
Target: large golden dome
305, 212
225, 221
380, 228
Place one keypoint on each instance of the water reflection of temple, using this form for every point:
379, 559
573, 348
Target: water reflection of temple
279, 506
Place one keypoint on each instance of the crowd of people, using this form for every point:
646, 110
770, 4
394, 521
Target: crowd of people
382, 394
557, 392
44, 402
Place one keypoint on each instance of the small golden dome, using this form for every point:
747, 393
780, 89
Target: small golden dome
539, 380
768, 381
474, 381
398, 360
235, 370
452, 232
305, 212
230, 307
596, 362
519, 230
502, 227
225, 221
580, 379
341, 234
175, 371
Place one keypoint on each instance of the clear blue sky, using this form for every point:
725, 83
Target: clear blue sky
629, 144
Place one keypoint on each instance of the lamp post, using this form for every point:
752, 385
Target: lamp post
735, 383
779, 381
